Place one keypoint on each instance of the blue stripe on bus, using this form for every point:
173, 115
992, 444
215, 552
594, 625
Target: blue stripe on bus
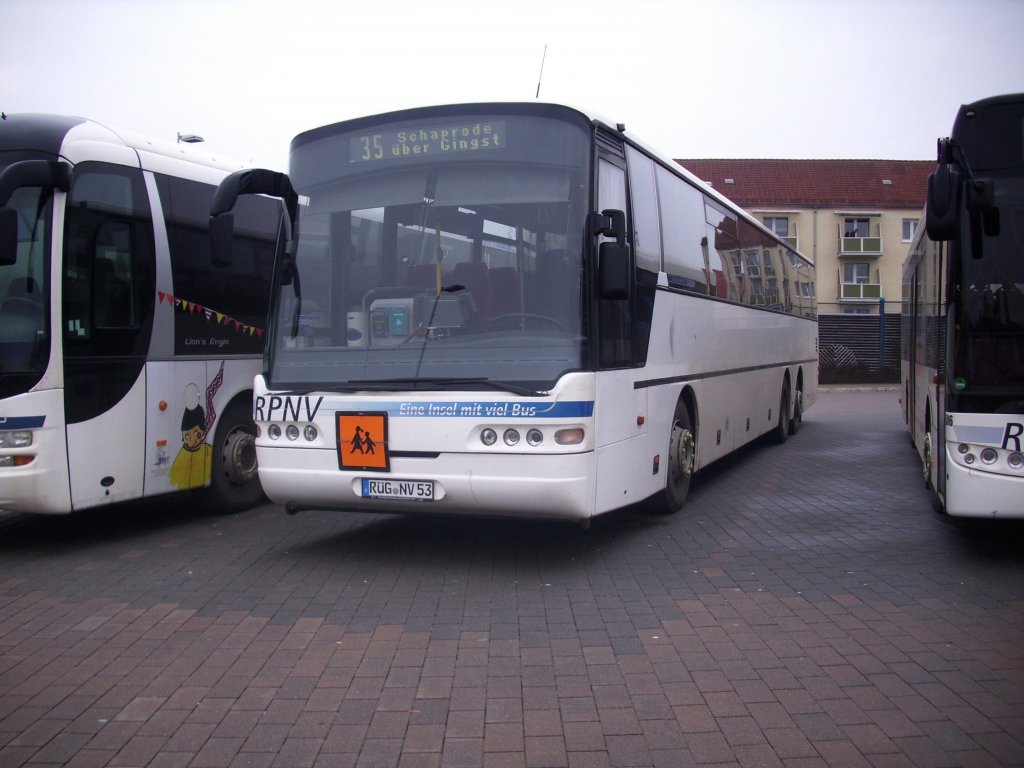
503, 409
21, 422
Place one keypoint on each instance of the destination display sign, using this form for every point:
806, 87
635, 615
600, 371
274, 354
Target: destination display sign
437, 139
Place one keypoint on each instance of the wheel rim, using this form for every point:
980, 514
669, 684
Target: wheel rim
240, 457
682, 451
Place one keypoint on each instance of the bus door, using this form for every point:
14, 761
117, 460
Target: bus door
943, 319
914, 288
622, 452
107, 319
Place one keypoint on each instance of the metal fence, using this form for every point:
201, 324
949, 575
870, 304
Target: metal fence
858, 348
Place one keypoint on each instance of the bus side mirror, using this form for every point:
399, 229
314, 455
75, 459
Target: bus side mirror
614, 274
942, 211
981, 197
613, 266
222, 235
48, 174
254, 181
8, 236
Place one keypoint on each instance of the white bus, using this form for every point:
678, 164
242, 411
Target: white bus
126, 358
516, 309
963, 316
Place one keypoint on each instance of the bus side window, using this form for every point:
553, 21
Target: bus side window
686, 263
108, 261
723, 251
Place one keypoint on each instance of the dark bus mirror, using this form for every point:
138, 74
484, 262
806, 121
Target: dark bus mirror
254, 181
222, 235
942, 211
990, 221
50, 174
614, 271
609, 223
8, 236
981, 195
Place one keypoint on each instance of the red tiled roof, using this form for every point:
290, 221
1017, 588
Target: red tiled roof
813, 183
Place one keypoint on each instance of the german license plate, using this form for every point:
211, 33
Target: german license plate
406, 490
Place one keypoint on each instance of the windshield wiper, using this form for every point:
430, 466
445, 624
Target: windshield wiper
385, 384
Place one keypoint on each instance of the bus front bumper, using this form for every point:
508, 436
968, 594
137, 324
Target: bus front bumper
552, 486
971, 493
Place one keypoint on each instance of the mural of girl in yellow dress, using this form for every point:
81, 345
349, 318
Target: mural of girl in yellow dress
191, 467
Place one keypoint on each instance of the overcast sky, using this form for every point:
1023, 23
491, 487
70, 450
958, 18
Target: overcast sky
693, 78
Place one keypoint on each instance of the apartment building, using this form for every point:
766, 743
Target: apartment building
853, 218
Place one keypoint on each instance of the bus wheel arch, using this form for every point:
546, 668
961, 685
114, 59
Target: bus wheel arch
681, 460
234, 480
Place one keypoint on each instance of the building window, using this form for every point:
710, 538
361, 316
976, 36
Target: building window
777, 224
856, 228
909, 228
856, 272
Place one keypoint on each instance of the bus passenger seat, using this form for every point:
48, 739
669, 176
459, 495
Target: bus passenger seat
421, 276
23, 297
475, 276
506, 294
557, 285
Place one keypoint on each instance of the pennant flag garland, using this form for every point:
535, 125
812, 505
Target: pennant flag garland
209, 313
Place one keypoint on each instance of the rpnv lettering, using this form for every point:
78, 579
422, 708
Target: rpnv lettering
286, 408
1013, 433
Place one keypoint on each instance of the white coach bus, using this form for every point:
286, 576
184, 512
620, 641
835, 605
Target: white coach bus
515, 309
963, 316
126, 359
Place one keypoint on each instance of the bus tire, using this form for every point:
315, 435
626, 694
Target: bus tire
234, 481
797, 419
781, 430
679, 467
926, 461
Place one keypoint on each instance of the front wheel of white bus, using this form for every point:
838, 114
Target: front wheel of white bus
234, 481
681, 459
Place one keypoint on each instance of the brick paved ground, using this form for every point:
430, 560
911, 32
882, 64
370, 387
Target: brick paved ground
807, 609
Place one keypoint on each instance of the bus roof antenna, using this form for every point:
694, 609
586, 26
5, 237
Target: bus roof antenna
541, 75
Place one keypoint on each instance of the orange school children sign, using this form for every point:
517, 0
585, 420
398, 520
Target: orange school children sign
363, 441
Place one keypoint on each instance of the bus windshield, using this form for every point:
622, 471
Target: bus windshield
24, 291
433, 251
990, 349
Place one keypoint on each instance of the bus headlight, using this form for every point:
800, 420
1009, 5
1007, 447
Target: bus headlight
18, 438
989, 455
274, 432
963, 448
488, 436
535, 437
292, 432
511, 437
1015, 460
309, 433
